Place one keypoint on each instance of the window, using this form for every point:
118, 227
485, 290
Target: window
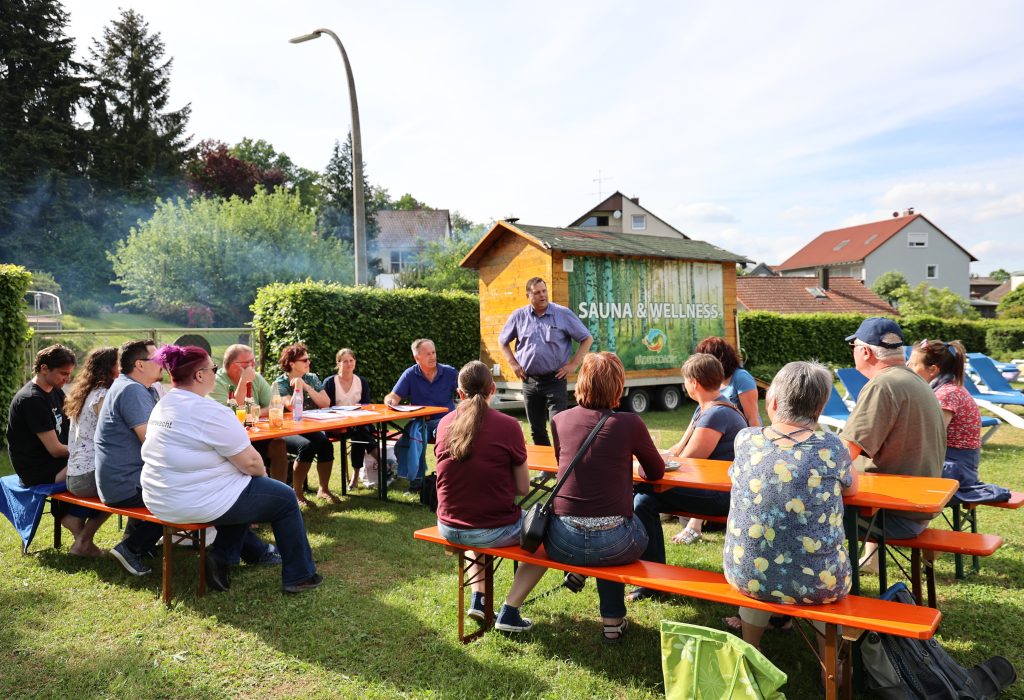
401, 260
932, 272
639, 222
917, 240
595, 221
841, 244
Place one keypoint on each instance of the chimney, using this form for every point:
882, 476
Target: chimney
635, 200
823, 278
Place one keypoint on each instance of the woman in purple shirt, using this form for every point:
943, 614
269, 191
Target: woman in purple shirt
594, 523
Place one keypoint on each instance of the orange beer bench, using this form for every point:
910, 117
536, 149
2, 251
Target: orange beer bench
854, 613
193, 532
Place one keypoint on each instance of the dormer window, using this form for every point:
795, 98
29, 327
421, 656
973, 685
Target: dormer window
639, 222
592, 221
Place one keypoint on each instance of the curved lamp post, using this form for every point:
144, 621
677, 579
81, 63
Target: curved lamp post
358, 203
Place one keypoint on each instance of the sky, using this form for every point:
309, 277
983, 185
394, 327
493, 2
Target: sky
754, 126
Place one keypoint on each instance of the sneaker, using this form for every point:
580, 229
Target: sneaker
509, 620
574, 582
131, 561
217, 573
271, 557
309, 584
476, 607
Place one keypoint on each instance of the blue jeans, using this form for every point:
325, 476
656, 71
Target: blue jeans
267, 500
648, 506
483, 536
411, 448
624, 544
310, 446
546, 396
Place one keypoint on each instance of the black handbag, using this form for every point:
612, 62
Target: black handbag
535, 522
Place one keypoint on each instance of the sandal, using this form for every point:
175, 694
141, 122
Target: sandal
574, 582
613, 633
687, 536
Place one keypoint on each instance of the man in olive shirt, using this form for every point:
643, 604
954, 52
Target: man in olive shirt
896, 426
239, 370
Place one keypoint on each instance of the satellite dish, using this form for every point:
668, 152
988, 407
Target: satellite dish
617, 214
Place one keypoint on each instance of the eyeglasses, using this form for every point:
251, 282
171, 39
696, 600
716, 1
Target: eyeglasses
245, 363
214, 368
854, 344
302, 359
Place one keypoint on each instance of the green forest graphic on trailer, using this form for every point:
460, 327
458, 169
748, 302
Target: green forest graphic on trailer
651, 313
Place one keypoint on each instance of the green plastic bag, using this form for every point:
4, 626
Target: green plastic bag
700, 663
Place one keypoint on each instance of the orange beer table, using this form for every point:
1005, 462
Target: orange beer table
380, 418
875, 492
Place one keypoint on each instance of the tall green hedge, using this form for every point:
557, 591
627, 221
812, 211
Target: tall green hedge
14, 333
378, 324
771, 340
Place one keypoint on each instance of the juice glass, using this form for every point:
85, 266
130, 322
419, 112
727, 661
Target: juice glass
240, 415
276, 416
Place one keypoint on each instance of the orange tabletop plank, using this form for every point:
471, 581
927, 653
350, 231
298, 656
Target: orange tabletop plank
381, 414
894, 492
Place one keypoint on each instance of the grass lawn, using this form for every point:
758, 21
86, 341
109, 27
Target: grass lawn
383, 625
109, 320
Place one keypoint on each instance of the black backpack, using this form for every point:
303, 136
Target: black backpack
898, 668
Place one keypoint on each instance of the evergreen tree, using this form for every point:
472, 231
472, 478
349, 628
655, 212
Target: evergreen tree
335, 215
139, 145
41, 146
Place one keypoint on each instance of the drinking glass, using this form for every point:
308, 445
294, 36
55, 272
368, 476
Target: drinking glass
276, 416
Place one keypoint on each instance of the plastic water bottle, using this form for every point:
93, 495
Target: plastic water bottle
297, 404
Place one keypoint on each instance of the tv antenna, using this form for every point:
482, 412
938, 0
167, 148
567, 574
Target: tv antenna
600, 183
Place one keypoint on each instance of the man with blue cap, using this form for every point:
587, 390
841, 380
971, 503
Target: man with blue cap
896, 426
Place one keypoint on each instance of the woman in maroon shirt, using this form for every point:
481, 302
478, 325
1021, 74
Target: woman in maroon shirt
481, 468
594, 523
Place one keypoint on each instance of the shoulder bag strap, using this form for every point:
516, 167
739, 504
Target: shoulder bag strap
575, 460
693, 424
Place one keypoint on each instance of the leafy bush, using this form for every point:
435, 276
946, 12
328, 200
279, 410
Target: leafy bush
771, 340
88, 308
379, 325
216, 254
1012, 305
1006, 340
14, 334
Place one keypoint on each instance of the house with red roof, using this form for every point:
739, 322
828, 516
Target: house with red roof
808, 295
908, 243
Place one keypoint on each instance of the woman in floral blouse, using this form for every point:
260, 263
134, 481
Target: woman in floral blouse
784, 539
941, 364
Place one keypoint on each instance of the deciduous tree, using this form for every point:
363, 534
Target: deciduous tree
217, 253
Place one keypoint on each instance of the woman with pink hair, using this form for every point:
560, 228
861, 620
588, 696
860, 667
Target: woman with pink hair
201, 468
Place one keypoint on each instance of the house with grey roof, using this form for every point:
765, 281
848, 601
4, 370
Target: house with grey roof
401, 237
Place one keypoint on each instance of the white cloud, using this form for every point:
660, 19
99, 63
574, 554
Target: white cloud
704, 212
1011, 205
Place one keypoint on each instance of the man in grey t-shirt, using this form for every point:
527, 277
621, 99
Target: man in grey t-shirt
896, 426
120, 430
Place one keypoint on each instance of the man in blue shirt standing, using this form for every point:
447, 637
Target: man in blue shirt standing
544, 333
426, 383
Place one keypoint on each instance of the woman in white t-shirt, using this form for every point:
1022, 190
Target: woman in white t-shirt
346, 388
199, 467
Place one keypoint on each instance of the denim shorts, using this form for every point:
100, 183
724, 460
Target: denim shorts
504, 536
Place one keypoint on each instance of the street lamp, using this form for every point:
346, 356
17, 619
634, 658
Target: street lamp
358, 204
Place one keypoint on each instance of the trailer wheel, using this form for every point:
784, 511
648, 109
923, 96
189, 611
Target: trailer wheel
669, 397
639, 400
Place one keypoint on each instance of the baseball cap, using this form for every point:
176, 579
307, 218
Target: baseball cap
882, 332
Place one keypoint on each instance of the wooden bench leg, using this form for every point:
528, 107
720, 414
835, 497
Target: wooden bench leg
56, 526
343, 453
832, 642
465, 583
915, 574
202, 563
929, 572
168, 573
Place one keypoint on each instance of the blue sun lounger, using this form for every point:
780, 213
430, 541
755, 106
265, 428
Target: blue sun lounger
835, 412
991, 375
852, 380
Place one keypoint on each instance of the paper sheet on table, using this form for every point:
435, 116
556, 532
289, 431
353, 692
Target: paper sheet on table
331, 413
406, 409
